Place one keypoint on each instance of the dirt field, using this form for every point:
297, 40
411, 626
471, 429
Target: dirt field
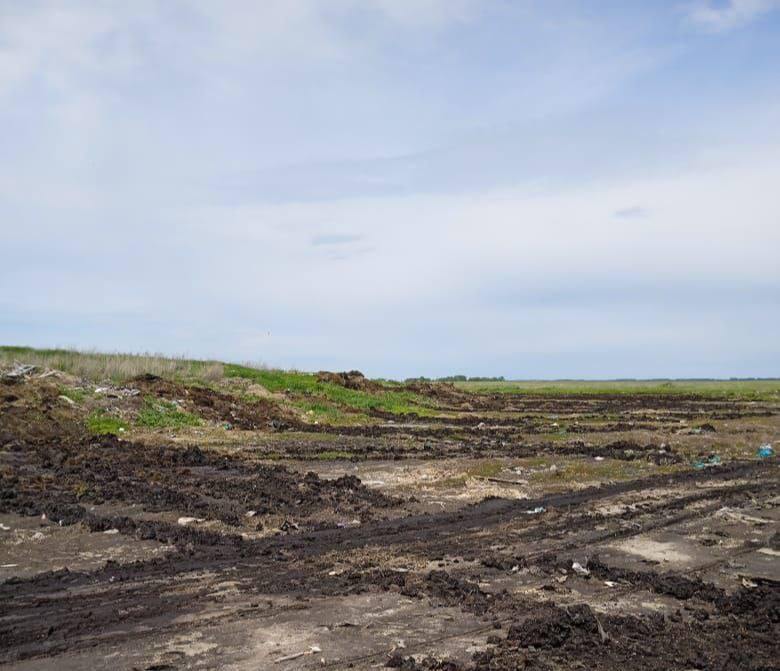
260, 522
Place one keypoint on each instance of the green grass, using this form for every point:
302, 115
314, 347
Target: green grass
485, 469
326, 412
100, 423
158, 414
396, 401
74, 394
752, 389
332, 455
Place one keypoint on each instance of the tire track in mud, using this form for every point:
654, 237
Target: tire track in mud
52, 613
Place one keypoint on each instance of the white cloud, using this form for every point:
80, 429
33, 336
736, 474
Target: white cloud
733, 14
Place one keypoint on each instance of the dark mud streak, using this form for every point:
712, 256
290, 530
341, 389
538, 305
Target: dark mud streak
38, 618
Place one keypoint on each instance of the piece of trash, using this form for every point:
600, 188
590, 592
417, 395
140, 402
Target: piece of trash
9, 565
111, 531
313, 649
287, 525
579, 569
713, 460
251, 513
535, 511
561, 578
184, 521
38, 536
599, 458
19, 372
749, 583
3, 527
610, 583
765, 451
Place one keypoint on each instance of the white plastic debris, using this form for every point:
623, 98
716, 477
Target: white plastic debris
185, 521
599, 458
251, 513
579, 569
312, 649
38, 536
535, 511
749, 584
19, 371
111, 531
67, 400
3, 527
610, 583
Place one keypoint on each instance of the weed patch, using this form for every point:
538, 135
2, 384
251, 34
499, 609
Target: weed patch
101, 423
158, 414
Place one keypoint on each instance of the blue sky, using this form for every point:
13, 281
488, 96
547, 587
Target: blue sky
489, 187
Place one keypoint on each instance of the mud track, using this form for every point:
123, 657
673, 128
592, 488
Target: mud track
68, 611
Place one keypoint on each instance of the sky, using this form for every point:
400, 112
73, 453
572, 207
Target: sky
533, 189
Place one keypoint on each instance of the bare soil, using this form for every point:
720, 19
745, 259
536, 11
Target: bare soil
512, 533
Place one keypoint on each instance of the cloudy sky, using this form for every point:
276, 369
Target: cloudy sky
497, 187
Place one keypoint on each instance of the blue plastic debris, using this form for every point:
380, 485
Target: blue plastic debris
714, 460
766, 451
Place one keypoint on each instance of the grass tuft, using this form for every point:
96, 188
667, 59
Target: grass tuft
100, 423
160, 414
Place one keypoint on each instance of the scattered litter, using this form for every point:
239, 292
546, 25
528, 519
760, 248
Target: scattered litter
3, 527
561, 578
713, 460
287, 525
111, 531
312, 650
19, 372
117, 392
579, 569
38, 536
765, 451
749, 584
251, 513
184, 521
599, 458
610, 583
9, 565
535, 511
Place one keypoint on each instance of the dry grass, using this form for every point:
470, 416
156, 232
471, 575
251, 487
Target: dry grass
114, 367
